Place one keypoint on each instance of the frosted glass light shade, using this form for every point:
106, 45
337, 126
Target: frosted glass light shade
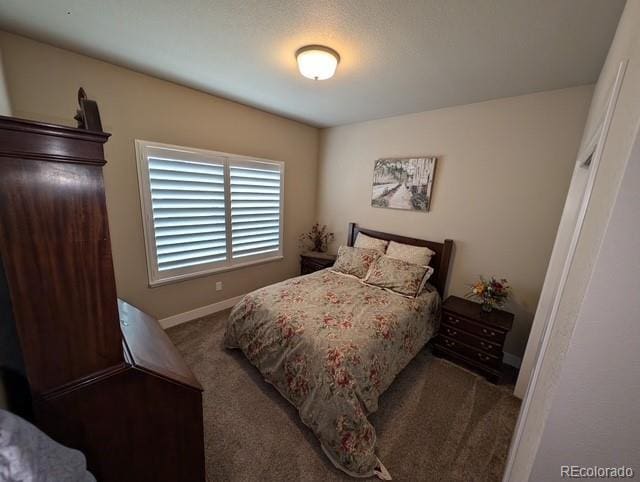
317, 62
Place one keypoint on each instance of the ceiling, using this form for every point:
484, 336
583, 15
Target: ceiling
397, 56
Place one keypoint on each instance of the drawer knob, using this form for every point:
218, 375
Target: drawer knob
453, 320
485, 344
452, 332
488, 332
483, 357
449, 343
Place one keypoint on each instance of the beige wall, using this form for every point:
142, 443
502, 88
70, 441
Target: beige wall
43, 82
502, 173
502, 176
626, 45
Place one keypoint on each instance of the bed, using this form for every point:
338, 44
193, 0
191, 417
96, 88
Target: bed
331, 345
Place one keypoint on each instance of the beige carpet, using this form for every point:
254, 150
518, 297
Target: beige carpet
437, 422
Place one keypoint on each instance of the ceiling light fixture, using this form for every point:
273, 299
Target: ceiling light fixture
317, 62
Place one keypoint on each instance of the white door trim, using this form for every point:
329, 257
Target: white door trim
600, 137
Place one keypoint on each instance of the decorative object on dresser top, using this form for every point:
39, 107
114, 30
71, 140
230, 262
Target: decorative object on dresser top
335, 343
315, 244
491, 293
403, 183
472, 336
104, 379
88, 115
317, 239
311, 262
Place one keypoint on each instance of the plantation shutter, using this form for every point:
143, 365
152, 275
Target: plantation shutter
206, 211
256, 208
188, 202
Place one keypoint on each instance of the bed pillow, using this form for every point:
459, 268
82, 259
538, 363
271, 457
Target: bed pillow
427, 275
367, 242
396, 275
354, 261
411, 254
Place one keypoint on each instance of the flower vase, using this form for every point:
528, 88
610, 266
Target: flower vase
487, 307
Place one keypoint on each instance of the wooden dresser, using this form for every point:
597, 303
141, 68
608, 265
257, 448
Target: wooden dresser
103, 377
472, 336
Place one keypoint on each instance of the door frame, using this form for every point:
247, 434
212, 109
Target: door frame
596, 145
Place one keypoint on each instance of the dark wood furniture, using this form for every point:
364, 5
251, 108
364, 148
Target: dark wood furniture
472, 336
439, 262
102, 379
312, 262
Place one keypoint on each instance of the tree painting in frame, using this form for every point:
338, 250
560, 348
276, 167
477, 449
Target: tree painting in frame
403, 183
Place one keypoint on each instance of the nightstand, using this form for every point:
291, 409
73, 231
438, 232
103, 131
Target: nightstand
473, 337
310, 262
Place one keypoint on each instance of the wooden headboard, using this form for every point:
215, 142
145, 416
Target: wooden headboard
439, 262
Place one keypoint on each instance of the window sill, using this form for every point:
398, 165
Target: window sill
222, 269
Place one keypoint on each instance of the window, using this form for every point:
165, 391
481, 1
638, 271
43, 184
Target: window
206, 211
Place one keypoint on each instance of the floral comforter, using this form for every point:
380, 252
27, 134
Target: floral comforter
332, 345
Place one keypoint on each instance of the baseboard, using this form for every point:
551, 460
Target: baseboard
514, 361
198, 312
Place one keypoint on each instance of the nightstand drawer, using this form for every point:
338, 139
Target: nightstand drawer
311, 264
469, 352
455, 321
471, 340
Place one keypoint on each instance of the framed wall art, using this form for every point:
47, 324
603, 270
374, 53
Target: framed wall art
403, 183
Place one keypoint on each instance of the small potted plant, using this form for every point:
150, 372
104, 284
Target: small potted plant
492, 293
317, 239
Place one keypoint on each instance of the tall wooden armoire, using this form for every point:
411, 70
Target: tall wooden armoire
103, 376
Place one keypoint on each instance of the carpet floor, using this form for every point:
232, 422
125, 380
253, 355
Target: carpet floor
437, 421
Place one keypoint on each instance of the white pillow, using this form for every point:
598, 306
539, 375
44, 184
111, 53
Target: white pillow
367, 242
427, 275
411, 254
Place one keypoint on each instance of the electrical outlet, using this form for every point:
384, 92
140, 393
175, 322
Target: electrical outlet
218, 285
